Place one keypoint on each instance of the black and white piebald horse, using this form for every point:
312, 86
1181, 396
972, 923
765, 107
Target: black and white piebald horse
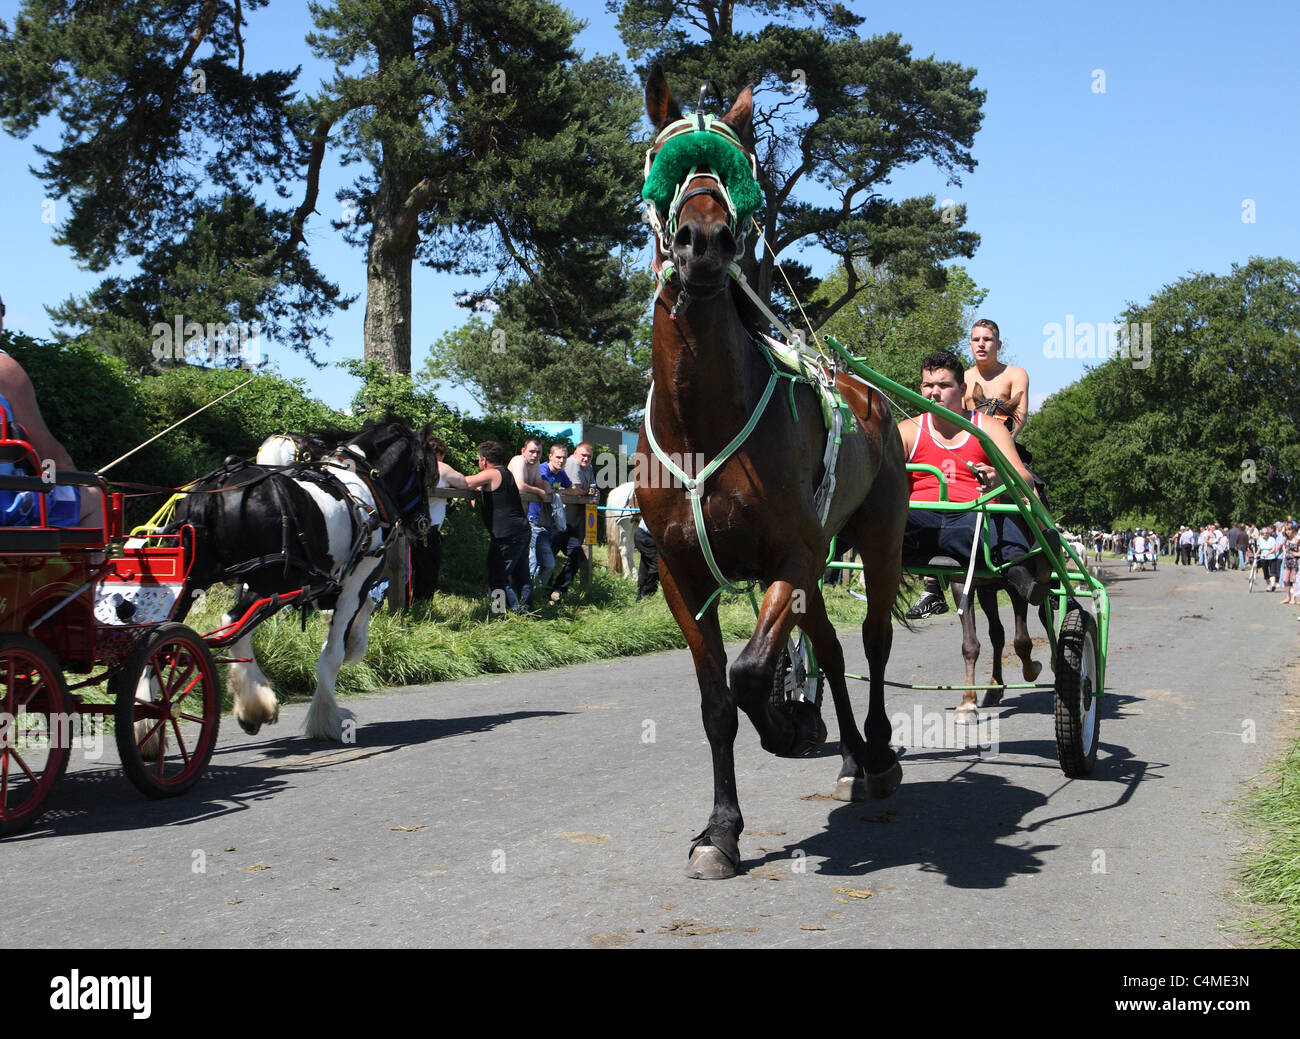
320, 525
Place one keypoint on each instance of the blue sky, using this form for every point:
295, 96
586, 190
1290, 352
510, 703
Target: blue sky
1122, 145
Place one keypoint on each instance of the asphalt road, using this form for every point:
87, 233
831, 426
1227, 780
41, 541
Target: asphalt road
555, 809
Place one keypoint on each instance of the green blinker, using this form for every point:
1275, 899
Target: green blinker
703, 150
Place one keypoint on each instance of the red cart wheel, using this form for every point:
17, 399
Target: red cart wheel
167, 710
34, 729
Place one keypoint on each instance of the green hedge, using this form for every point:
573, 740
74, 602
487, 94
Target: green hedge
100, 410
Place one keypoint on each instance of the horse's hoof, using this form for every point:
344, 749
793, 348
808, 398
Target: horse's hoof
249, 727
882, 784
709, 863
1032, 670
992, 696
967, 715
850, 788
809, 730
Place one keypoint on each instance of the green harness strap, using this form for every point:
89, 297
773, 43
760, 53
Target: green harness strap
695, 486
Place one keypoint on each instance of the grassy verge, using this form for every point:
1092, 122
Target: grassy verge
1272, 874
454, 637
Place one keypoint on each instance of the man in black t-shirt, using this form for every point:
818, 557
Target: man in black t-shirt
503, 515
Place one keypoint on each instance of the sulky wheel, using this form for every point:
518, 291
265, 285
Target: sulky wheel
797, 687
168, 709
35, 729
1077, 710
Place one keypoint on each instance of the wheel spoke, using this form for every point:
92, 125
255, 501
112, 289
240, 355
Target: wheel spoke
175, 677
180, 742
140, 742
23, 765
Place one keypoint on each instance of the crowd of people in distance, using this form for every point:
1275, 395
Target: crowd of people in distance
1271, 550
524, 540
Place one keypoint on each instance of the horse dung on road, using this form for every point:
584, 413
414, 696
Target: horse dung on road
760, 509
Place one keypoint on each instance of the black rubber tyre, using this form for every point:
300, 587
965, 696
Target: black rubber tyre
184, 708
1078, 720
33, 752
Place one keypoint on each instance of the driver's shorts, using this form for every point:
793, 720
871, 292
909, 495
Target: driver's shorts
930, 532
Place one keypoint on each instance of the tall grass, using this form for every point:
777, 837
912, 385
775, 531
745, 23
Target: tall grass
1272, 874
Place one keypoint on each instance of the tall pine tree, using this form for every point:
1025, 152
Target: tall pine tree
836, 115
489, 147
166, 139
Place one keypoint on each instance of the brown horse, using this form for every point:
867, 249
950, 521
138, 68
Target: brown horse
759, 516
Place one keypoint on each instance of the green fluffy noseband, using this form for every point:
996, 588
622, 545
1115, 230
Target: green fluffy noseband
703, 150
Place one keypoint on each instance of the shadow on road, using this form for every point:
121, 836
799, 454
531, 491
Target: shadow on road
103, 800
972, 827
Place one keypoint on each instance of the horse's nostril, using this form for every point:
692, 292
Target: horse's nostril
682, 240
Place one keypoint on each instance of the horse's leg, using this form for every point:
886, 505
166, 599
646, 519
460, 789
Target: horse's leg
255, 702
324, 718
1023, 644
357, 637
967, 712
988, 599
876, 532
715, 850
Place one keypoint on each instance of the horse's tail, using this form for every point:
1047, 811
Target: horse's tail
902, 603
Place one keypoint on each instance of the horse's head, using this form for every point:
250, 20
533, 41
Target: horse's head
701, 185
399, 460
995, 407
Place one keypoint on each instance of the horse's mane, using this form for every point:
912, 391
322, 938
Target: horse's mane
331, 436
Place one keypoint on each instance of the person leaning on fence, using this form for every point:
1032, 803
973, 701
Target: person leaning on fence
503, 515
933, 440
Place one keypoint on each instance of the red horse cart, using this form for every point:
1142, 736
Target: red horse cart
84, 601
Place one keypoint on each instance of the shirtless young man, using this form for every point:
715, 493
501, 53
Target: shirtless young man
995, 380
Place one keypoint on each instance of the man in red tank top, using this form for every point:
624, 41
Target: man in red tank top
933, 440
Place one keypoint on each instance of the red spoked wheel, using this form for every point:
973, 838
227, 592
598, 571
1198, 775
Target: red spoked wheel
167, 709
35, 730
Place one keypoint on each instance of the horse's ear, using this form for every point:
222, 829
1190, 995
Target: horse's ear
659, 104
1015, 399
741, 115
